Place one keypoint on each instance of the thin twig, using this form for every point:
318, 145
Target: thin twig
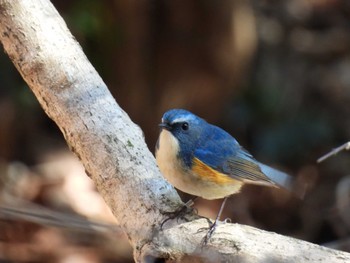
345, 146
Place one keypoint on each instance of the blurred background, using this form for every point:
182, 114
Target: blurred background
274, 74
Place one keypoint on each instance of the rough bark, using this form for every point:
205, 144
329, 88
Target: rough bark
97, 130
114, 154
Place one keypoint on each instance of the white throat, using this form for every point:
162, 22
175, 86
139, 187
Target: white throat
167, 152
168, 162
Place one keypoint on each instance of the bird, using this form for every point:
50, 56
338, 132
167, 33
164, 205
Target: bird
204, 160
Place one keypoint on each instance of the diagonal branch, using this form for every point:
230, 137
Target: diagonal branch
97, 130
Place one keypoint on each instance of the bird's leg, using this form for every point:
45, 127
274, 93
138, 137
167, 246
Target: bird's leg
179, 212
213, 226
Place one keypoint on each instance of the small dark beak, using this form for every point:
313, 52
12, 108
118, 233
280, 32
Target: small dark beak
164, 126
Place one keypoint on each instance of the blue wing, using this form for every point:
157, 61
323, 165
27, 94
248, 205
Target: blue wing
223, 153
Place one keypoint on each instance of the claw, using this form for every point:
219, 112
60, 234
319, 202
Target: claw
179, 213
209, 233
205, 228
227, 220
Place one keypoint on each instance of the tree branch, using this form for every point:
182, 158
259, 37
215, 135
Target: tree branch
114, 154
97, 130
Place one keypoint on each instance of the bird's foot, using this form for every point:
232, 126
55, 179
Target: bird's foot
211, 229
179, 213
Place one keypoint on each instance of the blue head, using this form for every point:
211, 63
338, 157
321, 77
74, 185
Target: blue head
188, 129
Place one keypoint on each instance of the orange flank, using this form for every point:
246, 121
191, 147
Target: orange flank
207, 173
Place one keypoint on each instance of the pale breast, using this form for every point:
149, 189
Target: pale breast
167, 160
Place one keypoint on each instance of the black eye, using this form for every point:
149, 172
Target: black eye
184, 126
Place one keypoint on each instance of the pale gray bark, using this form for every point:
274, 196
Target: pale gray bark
114, 154
240, 243
97, 130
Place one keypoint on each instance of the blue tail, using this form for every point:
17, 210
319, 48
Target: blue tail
283, 180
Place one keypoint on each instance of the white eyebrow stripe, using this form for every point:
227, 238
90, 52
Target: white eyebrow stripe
181, 119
